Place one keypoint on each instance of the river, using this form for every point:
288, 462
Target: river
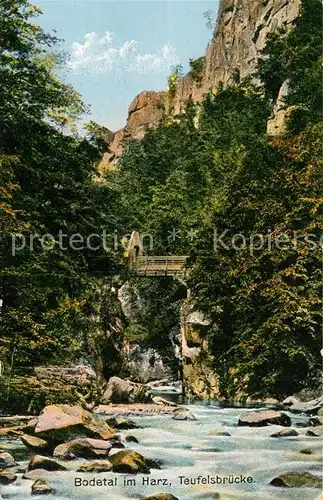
187, 450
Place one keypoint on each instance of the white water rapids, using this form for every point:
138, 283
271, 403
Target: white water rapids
191, 449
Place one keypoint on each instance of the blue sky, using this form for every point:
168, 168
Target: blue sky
120, 48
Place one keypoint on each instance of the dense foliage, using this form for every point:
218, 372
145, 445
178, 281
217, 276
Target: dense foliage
48, 184
214, 171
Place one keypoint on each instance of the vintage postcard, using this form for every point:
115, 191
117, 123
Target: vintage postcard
161, 249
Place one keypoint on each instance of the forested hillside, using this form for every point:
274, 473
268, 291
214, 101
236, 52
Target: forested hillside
246, 207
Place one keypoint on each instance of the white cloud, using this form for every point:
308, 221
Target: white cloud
100, 55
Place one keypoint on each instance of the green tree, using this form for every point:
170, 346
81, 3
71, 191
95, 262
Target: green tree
48, 184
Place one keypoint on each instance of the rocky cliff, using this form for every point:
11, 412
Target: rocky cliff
238, 38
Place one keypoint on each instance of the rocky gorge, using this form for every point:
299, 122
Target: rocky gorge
121, 386
232, 55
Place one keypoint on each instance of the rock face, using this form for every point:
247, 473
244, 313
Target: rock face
144, 365
263, 418
59, 423
146, 110
238, 38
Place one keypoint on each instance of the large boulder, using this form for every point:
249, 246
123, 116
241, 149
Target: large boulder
297, 480
41, 487
311, 407
95, 467
36, 474
39, 462
131, 462
261, 418
60, 423
83, 448
34, 443
124, 391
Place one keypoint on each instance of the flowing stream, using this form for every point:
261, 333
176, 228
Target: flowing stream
187, 450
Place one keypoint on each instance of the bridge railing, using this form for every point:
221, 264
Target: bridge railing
166, 265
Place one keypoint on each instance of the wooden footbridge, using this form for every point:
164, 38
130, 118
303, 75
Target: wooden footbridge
147, 265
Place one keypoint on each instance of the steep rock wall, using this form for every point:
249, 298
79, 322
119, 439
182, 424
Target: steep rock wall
239, 37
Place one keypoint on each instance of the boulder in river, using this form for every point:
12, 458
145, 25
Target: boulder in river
7, 478
297, 480
131, 439
160, 496
163, 402
95, 467
285, 433
121, 422
316, 421
131, 462
311, 407
41, 487
34, 443
83, 448
306, 451
7, 460
35, 474
186, 416
219, 433
39, 462
315, 431
125, 391
60, 423
261, 418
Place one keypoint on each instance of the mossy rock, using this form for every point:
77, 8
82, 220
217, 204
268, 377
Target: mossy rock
285, 433
297, 480
39, 462
131, 462
306, 451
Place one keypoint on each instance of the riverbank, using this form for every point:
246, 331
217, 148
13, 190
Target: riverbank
209, 455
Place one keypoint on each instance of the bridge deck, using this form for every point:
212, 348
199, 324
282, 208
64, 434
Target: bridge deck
167, 265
